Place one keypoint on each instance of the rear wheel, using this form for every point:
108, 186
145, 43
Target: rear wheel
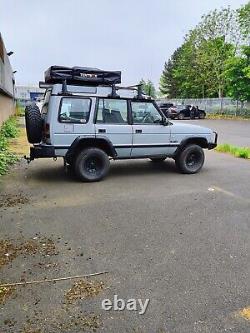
91, 165
157, 159
181, 116
201, 115
190, 159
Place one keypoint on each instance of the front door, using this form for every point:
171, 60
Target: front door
112, 123
150, 136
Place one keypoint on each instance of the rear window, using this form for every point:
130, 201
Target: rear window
74, 110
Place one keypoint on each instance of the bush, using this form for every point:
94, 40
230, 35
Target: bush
9, 128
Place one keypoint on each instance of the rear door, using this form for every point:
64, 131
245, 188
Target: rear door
112, 122
73, 119
150, 136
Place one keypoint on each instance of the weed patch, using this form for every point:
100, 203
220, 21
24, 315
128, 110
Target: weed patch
241, 152
8, 130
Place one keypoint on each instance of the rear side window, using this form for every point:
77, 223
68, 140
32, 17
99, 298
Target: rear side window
74, 110
112, 111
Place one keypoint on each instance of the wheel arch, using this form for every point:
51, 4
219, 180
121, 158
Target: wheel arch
90, 141
202, 142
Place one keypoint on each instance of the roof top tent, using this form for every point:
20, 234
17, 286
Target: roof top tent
81, 76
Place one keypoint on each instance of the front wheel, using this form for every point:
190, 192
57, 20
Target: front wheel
190, 159
91, 165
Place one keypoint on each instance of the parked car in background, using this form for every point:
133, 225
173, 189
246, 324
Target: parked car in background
165, 106
182, 112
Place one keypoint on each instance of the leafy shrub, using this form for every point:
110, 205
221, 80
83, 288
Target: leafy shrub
9, 128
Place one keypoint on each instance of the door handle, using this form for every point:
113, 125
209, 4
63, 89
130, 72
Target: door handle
138, 131
101, 130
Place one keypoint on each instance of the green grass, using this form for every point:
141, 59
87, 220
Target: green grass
241, 152
227, 116
8, 130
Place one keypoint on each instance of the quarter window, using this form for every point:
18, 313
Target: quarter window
74, 110
112, 111
145, 113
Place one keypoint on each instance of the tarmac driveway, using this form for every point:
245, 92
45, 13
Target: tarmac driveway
233, 132
180, 240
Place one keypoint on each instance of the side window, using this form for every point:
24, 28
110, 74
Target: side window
112, 111
74, 110
145, 113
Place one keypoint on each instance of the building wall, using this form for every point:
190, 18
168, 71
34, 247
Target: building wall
26, 94
7, 106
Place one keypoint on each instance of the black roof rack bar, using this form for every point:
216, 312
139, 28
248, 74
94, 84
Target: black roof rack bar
44, 85
137, 87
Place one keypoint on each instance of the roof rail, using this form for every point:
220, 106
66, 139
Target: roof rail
138, 88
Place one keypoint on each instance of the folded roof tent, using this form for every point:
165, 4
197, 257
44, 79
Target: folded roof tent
81, 76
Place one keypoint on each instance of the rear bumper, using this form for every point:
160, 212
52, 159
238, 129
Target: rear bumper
213, 145
41, 151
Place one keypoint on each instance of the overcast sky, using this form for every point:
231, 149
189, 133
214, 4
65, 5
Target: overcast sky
134, 36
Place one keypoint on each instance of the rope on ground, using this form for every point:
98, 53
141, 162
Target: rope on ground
13, 284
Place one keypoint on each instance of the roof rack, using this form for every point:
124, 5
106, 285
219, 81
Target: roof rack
137, 87
88, 77
81, 76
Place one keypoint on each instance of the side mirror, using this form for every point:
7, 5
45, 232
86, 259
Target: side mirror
164, 121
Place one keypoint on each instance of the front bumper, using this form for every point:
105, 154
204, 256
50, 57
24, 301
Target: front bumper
212, 145
41, 151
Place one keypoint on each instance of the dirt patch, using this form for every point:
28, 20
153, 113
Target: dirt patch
8, 252
20, 145
83, 289
10, 249
29, 329
5, 293
245, 313
80, 323
12, 200
73, 323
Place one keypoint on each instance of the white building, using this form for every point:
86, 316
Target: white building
26, 94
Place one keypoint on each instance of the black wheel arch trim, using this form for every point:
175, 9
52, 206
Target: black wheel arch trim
200, 141
93, 142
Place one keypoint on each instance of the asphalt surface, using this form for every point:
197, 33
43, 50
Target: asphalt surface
180, 240
232, 132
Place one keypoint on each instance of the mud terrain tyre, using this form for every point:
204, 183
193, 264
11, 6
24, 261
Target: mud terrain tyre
91, 165
34, 123
190, 159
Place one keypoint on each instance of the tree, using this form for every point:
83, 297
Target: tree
148, 88
168, 82
244, 21
197, 68
238, 75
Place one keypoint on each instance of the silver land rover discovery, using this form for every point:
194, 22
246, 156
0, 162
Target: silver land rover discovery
88, 119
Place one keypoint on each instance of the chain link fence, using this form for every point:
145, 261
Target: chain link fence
225, 105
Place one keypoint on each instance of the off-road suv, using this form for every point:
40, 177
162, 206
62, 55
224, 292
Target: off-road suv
88, 119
